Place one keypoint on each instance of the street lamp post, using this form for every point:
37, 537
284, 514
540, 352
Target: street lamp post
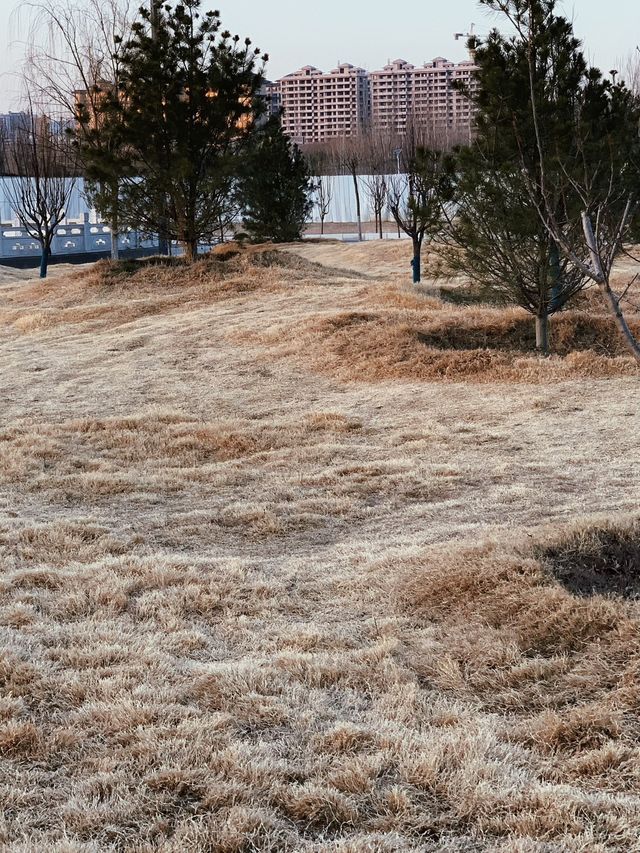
397, 152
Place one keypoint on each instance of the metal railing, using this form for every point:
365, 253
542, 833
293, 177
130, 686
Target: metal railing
71, 238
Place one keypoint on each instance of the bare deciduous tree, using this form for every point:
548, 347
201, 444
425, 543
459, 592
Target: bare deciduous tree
350, 157
73, 59
39, 187
377, 189
418, 197
378, 146
324, 197
322, 163
630, 71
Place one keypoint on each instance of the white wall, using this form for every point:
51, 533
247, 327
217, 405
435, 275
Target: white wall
343, 203
76, 210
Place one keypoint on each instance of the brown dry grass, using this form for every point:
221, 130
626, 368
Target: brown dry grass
110, 294
468, 345
247, 606
552, 676
398, 333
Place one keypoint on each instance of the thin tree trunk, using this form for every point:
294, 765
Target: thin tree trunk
358, 211
322, 225
191, 250
614, 307
380, 222
44, 261
115, 229
542, 334
415, 261
610, 300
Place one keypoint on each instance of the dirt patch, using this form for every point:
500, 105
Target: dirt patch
598, 561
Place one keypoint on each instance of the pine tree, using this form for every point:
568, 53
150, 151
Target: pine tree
507, 248
185, 107
275, 187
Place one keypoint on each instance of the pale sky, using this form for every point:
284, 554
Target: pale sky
365, 32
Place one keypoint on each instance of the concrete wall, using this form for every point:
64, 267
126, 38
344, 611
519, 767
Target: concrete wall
82, 232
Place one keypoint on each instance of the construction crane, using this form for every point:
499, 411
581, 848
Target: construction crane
469, 35
471, 38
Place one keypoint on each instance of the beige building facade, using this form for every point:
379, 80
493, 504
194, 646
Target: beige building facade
425, 96
319, 106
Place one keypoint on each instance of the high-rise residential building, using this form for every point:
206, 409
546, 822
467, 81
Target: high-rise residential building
270, 93
427, 96
13, 124
318, 106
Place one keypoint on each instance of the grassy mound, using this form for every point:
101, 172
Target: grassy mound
109, 293
464, 344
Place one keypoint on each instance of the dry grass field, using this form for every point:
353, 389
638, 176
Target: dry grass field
297, 559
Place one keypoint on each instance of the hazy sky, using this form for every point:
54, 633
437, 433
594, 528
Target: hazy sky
366, 32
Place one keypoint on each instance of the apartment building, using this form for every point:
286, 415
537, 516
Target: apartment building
12, 125
403, 95
319, 106
270, 93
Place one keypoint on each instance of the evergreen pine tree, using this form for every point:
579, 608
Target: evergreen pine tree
185, 107
507, 248
275, 187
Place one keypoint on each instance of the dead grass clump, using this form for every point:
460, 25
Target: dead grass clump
465, 294
57, 544
332, 422
405, 296
477, 345
501, 632
319, 808
510, 329
511, 593
505, 615
111, 452
20, 739
578, 731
